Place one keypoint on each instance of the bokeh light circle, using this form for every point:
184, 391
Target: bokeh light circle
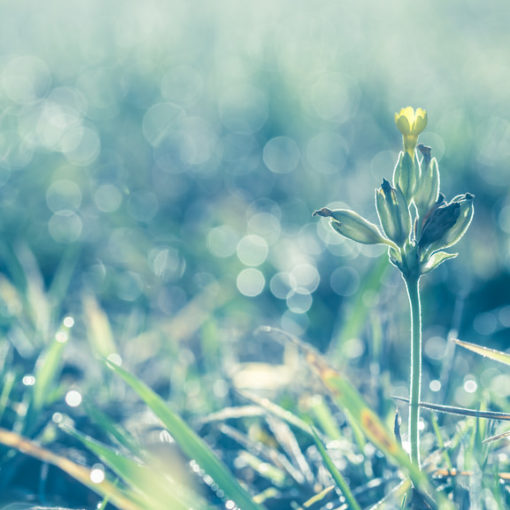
250, 282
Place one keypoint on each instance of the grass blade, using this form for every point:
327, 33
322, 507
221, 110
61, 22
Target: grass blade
80, 473
191, 444
493, 354
48, 368
99, 331
337, 476
347, 397
158, 491
111, 428
277, 411
463, 411
357, 316
318, 497
497, 437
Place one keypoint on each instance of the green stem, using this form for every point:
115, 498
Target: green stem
413, 291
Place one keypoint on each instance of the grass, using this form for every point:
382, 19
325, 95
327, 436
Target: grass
304, 445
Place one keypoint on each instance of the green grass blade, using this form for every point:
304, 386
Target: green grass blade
265, 470
318, 497
8, 384
277, 411
440, 442
158, 491
103, 504
493, 354
111, 428
48, 368
357, 316
59, 286
191, 444
324, 417
99, 331
395, 498
337, 476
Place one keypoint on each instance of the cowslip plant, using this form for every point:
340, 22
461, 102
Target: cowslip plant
417, 225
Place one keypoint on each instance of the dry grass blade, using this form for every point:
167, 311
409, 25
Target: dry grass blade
497, 437
455, 473
489, 415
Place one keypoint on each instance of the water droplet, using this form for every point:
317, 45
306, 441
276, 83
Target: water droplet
97, 473
435, 385
68, 321
73, 398
28, 380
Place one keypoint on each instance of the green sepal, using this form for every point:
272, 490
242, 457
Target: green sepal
435, 260
447, 224
395, 257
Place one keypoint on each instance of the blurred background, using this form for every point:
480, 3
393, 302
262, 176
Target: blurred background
166, 157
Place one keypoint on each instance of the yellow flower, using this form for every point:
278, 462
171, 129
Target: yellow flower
411, 123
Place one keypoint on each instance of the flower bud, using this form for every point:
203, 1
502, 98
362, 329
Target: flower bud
393, 213
406, 175
353, 226
411, 123
427, 191
447, 224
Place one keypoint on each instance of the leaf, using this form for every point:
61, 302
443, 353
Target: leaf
191, 444
335, 473
493, 354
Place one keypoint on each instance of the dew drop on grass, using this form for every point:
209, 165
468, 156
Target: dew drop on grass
62, 337
28, 380
73, 398
435, 385
57, 418
115, 359
470, 386
97, 473
68, 321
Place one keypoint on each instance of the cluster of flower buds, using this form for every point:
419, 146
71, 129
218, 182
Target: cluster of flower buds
417, 222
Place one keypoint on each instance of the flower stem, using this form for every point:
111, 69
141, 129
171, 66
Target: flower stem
413, 291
